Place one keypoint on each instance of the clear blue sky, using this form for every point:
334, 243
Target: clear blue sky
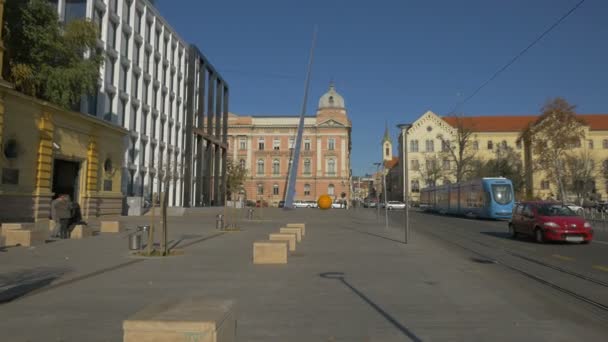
393, 60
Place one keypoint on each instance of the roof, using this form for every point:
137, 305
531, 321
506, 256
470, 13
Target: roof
389, 164
510, 123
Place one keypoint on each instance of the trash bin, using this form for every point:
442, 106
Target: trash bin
219, 222
135, 241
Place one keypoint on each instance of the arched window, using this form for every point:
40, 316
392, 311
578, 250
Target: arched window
307, 166
276, 167
242, 163
330, 189
275, 189
260, 166
306, 189
260, 189
331, 167
414, 146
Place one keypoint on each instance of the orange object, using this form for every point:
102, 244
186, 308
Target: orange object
324, 202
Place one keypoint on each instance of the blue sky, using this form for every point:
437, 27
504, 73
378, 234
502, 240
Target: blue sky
394, 59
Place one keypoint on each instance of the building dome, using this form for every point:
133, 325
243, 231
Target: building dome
331, 99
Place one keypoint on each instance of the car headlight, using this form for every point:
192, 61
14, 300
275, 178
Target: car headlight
551, 225
587, 225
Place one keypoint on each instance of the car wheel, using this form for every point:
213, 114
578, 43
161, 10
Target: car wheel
512, 232
538, 235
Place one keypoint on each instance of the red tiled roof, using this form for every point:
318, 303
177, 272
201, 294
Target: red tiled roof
389, 164
506, 123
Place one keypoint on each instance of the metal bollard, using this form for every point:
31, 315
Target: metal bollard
250, 214
219, 222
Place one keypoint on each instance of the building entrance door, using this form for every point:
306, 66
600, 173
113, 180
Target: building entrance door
65, 178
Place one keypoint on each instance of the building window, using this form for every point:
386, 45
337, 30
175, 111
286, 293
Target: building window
386, 151
114, 6
124, 45
503, 145
605, 166
291, 143
415, 165
430, 146
331, 167
135, 87
260, 189
605, 143
445, 146
307, 144
75, 9
490, 145
590, 144
112, 35
276, 167
415, 185
260, 166
98, 19
138, 22
109, 71
331, 144
276, 144
518, 144
242, 144
330, 189
261, 144
446, 164
544, 184
123, 78
147, 63
307, 166
306, 189
242, 163
414, 146
275, 189
476, 145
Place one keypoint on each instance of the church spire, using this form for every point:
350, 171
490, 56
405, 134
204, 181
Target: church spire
387, 135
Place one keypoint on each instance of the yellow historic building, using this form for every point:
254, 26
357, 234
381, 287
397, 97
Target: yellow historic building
420, 144
47, 151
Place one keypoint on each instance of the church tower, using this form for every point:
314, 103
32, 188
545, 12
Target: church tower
387, 146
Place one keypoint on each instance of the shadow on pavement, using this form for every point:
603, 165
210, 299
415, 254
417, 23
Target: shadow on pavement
507, 236
339, 276
19, 283
374, 235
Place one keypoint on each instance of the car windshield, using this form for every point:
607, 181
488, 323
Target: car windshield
555, 210
502, 193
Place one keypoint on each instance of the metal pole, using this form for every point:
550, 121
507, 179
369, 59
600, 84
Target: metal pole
384, 192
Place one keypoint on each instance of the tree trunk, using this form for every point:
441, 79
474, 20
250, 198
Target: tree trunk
163, 213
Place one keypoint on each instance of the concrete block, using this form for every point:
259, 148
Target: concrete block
290, 238
298, 225
191, 319
110, 227
297, 231
25, 237
270, 252
81, 231
2, 241
52, 226
15, 226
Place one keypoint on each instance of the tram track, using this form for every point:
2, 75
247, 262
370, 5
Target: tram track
520, 270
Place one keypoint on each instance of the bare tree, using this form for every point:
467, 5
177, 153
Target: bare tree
581, 173
431, 169
458, 148
552, 137
235, 177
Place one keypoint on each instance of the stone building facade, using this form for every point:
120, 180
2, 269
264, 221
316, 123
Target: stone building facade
264, 146
420, 142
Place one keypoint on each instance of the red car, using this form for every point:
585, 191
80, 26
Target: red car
549, 221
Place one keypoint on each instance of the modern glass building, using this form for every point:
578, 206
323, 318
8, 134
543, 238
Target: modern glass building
143, 88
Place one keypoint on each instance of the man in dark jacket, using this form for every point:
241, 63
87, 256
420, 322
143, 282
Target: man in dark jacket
61, 212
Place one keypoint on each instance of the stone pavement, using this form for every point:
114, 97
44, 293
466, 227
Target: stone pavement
349, 280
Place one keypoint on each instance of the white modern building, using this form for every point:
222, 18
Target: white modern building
143, 87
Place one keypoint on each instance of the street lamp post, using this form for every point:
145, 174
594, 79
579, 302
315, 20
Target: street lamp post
404, 128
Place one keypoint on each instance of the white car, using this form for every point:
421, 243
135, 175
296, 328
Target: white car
576, 208
338, 205
301, 204
395, 205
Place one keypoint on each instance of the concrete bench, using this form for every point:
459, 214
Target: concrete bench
191, 319
110, 227
298, 225
297, 231
289, 237
16, 226
81, 231
25, 237
270, 252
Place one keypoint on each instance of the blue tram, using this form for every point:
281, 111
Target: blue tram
484, 198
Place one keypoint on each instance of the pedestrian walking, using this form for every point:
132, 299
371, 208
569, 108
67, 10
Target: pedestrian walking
61, 212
